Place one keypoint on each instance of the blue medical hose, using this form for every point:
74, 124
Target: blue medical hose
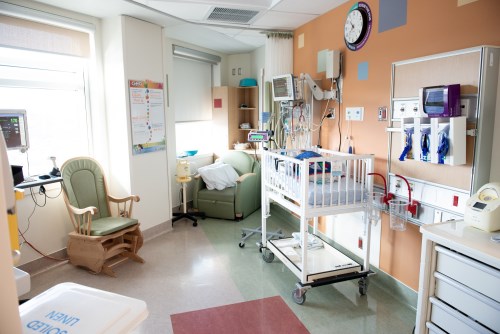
444, 144
425, 143
408, 143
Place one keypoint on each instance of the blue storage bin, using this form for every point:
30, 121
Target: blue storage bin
248, 82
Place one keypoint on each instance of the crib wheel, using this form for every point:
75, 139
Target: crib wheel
267, 256
241, 244
298, 297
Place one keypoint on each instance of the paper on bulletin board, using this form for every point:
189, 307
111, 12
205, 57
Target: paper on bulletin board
147, 116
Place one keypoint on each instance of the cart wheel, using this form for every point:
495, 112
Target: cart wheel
243, 234
195, 224
259, 244
267, 256
298, 297
363, 286
241, 244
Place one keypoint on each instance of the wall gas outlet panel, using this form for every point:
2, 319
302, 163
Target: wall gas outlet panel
406, 108
354, 113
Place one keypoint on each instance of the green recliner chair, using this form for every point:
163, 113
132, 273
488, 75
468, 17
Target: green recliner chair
234, 202
102, 236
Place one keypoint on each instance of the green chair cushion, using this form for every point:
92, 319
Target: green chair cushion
225, 195
109, 225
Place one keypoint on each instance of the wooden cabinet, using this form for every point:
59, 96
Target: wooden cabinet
232, 107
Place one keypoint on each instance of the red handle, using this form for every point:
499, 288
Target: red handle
412, 206
387, 196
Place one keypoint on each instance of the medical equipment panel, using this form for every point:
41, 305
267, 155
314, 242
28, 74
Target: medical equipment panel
14, 127
285, 88
260, 136
445, 158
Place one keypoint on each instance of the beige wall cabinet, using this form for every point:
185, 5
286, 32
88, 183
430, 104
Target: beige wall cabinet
232, 108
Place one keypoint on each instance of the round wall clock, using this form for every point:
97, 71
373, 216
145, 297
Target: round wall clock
358, 26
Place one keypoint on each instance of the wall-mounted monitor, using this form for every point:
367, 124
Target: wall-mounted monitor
284, 87
14, 128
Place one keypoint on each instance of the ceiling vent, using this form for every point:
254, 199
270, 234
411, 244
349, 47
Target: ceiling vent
232, 15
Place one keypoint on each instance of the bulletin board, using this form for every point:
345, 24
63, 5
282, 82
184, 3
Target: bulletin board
408, 77
147, 116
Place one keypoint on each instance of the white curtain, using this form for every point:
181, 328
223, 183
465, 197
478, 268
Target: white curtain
279, 54
279, 60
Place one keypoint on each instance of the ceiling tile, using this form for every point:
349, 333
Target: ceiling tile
280, 20
317, 7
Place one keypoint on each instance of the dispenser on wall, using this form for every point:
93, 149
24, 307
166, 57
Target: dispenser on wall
440, 101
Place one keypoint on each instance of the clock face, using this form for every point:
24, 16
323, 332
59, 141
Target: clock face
358, 25
353, 26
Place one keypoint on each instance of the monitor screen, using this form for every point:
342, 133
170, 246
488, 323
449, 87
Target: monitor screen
14, 129
283, 88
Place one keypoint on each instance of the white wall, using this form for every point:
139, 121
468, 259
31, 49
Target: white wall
239, 67
130, 56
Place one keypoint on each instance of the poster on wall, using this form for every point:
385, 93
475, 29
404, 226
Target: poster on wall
147, 116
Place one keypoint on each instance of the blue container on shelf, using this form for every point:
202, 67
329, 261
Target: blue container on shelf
187, 154
248, 82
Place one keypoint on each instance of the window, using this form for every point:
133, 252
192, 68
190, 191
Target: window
51, 88
193, 78
44, 70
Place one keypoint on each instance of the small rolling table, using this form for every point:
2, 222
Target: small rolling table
185, 214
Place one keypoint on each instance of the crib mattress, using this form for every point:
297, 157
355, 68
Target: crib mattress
335, 193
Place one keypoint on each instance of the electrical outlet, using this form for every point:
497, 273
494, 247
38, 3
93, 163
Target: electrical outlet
354, 113
382, 113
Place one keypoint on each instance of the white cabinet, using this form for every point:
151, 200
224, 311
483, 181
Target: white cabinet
459, 280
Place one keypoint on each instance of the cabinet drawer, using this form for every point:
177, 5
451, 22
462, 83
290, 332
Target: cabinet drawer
433, 329
452, 321
476, 275
477, 306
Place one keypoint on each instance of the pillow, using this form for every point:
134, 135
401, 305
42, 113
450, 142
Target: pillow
218, 176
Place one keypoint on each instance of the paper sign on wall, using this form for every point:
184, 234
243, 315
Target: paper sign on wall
147, 116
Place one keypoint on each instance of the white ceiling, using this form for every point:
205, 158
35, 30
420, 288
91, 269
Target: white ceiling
186, 20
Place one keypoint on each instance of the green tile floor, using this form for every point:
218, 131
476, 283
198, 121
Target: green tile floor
192, 268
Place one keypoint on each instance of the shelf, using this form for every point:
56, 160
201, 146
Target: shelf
250, 108
247, 129
321, 263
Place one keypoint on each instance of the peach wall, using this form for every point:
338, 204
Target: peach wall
431, 27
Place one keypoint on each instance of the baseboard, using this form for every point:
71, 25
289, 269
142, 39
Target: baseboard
157, 230
43, 264
382, 279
